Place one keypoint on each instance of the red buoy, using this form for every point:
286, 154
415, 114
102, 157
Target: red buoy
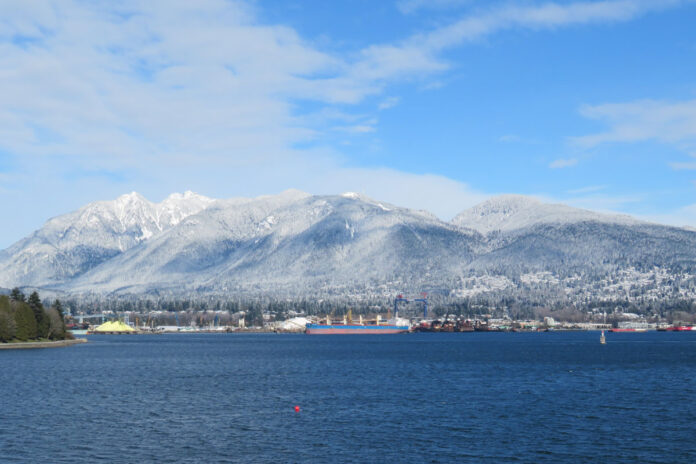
297, 409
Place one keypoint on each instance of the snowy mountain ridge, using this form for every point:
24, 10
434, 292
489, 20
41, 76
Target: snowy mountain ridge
70, 244
296, 244
280, 240
133, 210
508, 212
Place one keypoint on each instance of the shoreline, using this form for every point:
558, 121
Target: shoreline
37, 345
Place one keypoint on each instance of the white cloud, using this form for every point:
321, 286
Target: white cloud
563, 163
439, 195
175, 94
420, 54
604, 203
357, 129
680, 217
545, 16
198, 82
669, 122
509, 138
630, 205
132, 83
413, 6
389, 102
682, 166
588, 189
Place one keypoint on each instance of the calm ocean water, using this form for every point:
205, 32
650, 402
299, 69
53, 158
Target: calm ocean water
497, 397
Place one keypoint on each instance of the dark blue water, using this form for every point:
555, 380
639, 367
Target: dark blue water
536, 397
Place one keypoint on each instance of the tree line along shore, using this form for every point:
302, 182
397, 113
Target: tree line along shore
27, 320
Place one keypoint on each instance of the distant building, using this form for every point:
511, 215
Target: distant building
638, 325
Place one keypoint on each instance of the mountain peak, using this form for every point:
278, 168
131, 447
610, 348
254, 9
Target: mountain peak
187, 196
358, 196
130, 198
507, 204
180, 196
509, 212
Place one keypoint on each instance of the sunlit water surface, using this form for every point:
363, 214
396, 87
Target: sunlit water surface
477, 397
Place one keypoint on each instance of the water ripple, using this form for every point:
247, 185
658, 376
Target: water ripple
555, 397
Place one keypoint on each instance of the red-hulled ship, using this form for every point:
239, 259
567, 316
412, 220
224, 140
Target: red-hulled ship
678, 328
392, 326
349, 329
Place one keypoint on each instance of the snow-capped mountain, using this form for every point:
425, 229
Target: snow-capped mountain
509, 212
300, 245
292, 242
522, 234
69, 245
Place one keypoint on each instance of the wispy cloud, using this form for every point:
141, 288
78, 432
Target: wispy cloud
421, 53
680, 217
205, 95
603, 202
509, 138
136, 80
670, 122
683, 166
546, 16
413, 6
356, 129
389, 102
563, 163
402, 189
588, 189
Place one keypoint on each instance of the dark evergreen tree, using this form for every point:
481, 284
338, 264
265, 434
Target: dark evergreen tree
4, 303
59, 307
254, 316
42, 322
35, 301
8, 328
25, 322
17, 295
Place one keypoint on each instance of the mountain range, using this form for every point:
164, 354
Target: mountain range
296, 245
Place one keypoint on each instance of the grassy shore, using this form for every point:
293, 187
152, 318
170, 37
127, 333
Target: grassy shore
40, 344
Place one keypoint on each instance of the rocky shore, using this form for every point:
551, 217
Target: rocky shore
31, 345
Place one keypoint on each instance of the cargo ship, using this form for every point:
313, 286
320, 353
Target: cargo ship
347, 327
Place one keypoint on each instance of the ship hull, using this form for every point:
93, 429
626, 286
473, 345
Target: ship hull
317, 329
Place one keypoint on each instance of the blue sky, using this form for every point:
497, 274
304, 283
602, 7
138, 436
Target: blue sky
433, 104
